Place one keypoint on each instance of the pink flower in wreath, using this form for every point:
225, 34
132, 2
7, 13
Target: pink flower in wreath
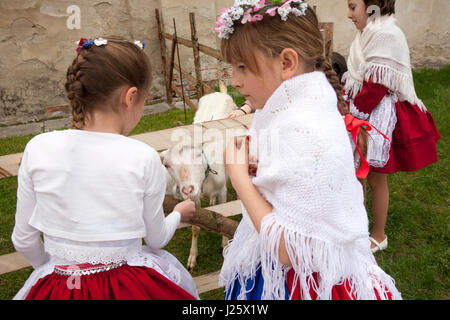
247, 17
272, 11
257, 17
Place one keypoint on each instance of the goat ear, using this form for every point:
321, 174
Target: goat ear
223, 87
163, 157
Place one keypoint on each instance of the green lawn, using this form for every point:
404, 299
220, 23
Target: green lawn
418, 222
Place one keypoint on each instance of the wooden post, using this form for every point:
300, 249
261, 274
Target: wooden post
172, 60
181, 72
195, 46
328, 31
162, 44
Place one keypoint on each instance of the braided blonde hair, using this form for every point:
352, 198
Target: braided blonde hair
97, 72
272, 35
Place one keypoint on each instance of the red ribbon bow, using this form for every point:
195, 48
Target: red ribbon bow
80, 43
354, 125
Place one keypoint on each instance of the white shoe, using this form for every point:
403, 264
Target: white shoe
379, 246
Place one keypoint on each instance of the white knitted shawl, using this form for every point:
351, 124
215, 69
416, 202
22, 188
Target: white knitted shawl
380, 52
306, 172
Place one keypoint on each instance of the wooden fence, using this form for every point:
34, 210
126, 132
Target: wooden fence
169, 64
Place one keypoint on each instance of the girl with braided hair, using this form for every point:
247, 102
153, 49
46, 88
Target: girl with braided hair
304, 232
95, 194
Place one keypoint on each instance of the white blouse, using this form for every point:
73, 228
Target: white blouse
89, 190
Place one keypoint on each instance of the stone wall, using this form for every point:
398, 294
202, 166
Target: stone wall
424, 22
37, 45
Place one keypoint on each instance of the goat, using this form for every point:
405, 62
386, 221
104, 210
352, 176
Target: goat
215, 106
190, 172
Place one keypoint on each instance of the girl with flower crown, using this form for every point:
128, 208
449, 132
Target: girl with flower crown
95, 194
304, 232
380, 89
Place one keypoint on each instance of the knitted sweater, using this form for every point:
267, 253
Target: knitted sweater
306, 173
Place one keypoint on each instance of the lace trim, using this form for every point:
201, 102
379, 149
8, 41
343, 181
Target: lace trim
79, 270
384, 118
92, 252
358, 114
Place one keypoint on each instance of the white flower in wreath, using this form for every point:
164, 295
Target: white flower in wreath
140, 44
100, 42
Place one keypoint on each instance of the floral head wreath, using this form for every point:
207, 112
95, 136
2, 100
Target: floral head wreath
254, 10
86, 44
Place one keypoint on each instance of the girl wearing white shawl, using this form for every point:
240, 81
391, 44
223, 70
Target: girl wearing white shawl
304, 232
380, 89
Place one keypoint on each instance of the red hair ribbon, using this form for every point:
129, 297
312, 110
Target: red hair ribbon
354, 125
81, 43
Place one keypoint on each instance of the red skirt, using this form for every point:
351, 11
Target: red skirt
413, 140
119, 283
339, 292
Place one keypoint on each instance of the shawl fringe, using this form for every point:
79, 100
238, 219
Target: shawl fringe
334, 264
400, 84
396, 81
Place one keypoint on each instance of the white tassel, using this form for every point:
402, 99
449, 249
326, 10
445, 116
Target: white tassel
335, 265
398, 82
241, 257
352, 87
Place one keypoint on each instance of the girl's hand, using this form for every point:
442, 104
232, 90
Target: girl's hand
236, 159
236, 113
186, 210
242, 111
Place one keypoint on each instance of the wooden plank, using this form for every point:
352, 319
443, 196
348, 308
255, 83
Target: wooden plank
211, 52
202, 48
10, 165
162, 140
207, 282
12, 262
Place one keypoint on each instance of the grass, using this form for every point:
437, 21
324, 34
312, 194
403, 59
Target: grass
418, 221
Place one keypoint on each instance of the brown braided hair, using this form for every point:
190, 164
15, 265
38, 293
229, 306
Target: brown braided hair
272, 35
98, 71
